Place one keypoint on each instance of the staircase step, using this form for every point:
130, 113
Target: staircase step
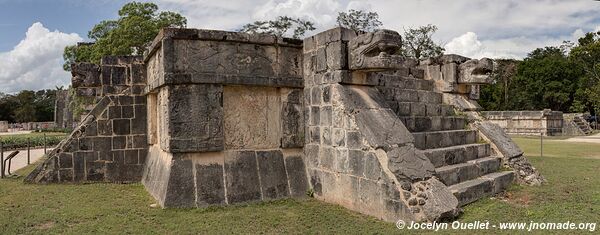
423, 109
405, 82
434, 123
472, 190
457, 154
457, 173
442, 139
430, 97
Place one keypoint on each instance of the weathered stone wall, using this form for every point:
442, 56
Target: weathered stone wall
358, 153
3, 126
63, 114
225, 118
458, 78
110, 144
544, 122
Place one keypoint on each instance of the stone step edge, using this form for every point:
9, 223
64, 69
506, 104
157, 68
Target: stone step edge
477, 163
496, 185
433, 151
440, 116
426, 132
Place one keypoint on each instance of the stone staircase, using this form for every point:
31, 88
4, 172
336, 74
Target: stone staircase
462, 162
582, 124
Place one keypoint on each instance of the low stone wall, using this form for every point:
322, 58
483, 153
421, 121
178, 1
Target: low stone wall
30, 126
3, 126
546, 122
110, 144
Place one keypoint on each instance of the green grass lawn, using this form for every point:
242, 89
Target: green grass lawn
572, 194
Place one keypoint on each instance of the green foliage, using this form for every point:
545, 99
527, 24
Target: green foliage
28, 106
358, 20
587, 55
136, 27
79, 103
564, 78
280, 27
34, 140
418, 43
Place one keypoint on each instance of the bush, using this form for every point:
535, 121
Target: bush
59, 130
34, 140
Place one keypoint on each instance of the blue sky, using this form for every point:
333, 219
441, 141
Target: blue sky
77, 16
33, 33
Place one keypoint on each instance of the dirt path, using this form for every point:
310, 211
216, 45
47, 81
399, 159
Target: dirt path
585, 139
20, 160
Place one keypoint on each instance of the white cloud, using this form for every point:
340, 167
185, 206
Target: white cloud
519, 25
469, 45
36, 62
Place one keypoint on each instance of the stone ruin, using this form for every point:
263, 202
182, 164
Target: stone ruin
3, 126
575, 124
545, 122
63, 112
216, 118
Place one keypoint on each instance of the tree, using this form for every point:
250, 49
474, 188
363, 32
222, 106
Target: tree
280, 27
496, 96
25, 111
136, 27
417, 43
359, 21
586, 54
546, 78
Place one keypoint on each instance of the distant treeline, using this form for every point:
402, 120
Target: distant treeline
565, 78
28, 106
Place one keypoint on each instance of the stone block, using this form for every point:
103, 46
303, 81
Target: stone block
195, 133
339, 137
356, 162
131, 157
94, 170
372, 167
105, 127
180, 187
500, 139
140, 141
296, 173
325, 118
91, 129
209, 184
326, 135
408, 163
311, 154
127, 111
315, 116
65, 160
65, 175
118, 75
337, 55
315, 135
252, 117
102, 143
381, 128
340, 160
121, 126
272, 174
321, 60
241, 176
